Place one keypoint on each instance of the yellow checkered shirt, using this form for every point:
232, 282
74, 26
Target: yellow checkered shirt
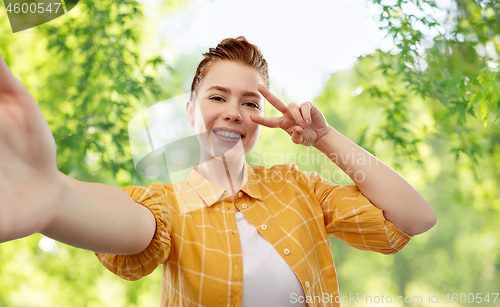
197, 239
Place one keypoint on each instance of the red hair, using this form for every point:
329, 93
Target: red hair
231, 49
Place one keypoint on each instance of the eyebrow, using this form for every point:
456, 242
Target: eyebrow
227, 90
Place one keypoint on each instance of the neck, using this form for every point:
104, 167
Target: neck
227, 174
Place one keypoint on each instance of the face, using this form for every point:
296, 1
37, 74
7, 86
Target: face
226, 98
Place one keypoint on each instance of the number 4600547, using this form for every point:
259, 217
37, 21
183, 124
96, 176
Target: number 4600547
471, 297
32, 8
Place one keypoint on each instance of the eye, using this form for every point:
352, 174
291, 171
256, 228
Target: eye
217, 98
252, 104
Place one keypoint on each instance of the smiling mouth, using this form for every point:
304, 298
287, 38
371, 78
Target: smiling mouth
227, 134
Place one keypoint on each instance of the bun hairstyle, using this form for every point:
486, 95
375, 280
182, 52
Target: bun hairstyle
231, 49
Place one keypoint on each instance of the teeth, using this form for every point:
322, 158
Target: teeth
228, 134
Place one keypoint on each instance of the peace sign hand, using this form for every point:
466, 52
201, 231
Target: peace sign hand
304, 123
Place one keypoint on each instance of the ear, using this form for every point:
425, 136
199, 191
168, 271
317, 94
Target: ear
190, 112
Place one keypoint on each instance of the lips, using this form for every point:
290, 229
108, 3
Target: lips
228, 130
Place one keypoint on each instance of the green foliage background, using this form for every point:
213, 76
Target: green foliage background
429, 108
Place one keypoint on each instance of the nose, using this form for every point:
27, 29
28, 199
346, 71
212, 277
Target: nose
232, 113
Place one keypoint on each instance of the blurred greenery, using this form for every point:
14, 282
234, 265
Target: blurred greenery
429, 108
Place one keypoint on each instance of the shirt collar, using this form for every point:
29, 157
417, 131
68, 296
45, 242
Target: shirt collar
211, 193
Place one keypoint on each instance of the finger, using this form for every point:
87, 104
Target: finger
297, 136
295, 112
16, 102
305, 109
271, 122
275, 101
9, 82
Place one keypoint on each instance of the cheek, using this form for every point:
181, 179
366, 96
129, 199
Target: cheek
203, 118
255, 128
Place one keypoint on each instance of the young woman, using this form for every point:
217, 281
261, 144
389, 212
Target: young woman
230, 234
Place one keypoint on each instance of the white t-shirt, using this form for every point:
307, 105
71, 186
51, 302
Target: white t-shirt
267, 279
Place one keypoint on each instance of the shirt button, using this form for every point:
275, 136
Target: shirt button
264, 227
240, 194
286, 251
244, 206
307, 284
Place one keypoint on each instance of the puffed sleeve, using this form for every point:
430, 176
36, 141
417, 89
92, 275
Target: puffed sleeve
134, 267
352, 218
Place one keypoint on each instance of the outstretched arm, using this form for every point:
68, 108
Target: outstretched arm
100, 218
36, 197
383, 186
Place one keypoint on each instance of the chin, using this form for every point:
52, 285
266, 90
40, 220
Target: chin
233, 154
230, 153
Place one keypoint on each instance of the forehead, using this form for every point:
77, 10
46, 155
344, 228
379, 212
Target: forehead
232, 75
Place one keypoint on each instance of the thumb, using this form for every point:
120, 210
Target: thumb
297, 136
